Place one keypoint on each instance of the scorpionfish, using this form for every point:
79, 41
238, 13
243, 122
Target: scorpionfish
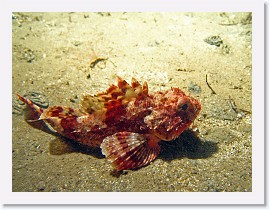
125, 121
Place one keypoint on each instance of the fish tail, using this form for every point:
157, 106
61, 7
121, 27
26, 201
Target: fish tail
36, 111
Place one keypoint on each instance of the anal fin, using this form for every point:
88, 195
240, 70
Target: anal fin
127, 150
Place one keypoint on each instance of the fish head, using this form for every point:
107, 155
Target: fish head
173, 113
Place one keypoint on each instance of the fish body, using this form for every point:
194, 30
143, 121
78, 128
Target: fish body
125, 121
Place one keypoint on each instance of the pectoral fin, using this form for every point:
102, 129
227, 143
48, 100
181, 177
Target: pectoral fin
126, 150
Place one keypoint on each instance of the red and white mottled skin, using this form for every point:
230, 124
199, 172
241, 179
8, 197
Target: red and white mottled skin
125, 121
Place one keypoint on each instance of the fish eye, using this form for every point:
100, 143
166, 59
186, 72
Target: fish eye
184, 107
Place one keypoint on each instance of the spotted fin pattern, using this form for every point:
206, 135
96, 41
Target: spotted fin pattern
126, 150
123, 93
110, 105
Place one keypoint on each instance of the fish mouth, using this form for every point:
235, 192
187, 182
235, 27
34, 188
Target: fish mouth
196, 109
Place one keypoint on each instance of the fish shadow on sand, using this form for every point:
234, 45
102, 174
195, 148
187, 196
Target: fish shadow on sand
61, 145
189, 145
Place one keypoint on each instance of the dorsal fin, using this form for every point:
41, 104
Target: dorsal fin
138, 88
132, 91
120, 95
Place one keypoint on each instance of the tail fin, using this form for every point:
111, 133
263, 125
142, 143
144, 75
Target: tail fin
34, 112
